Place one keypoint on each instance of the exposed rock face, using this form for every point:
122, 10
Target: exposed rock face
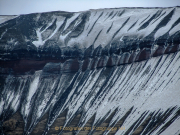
103, 68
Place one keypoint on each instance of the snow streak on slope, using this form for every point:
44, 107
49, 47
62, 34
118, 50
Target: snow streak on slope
148, 88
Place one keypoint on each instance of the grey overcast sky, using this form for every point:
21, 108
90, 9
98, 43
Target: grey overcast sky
15, 7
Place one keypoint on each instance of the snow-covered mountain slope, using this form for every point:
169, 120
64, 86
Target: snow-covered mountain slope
120, 65
124, 28
144, 94
134, 34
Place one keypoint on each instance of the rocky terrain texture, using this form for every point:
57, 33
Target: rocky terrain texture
97, 69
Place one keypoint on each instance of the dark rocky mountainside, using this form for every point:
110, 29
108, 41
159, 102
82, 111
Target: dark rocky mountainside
104, 71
